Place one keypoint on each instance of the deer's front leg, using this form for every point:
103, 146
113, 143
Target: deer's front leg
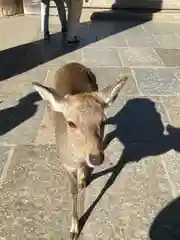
74, 231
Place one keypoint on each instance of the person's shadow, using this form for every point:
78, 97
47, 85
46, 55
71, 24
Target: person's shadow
13, 116
166, 225
140, 129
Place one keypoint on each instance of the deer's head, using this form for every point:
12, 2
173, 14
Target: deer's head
85, 116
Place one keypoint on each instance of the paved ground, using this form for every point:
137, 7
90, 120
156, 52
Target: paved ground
135, 200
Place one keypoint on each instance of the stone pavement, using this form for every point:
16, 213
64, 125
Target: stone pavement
134, 195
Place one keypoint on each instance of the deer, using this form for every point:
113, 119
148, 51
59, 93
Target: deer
79, 121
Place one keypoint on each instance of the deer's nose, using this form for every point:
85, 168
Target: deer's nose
96, 160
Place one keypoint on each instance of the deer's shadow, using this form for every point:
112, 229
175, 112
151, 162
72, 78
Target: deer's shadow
140, 129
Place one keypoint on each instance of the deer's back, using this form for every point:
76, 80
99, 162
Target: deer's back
74, 78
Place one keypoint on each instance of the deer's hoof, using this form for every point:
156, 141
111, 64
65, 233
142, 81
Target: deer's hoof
74, 232
73, 235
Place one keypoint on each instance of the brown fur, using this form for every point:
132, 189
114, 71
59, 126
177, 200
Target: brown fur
79, 116
75, 78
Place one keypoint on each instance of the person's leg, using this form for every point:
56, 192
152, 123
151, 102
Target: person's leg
45, 18
62, 14
74, 14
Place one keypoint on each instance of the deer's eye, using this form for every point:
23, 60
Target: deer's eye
71, 124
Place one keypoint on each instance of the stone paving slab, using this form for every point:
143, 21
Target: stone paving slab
172, 107
34, 202
142, 133
139, 57
100, 57
157, 28
13, 34
117, 40
170, 57
5, 152
167, 41
141, 41
173, 170
154, 81
174, 28
137, 29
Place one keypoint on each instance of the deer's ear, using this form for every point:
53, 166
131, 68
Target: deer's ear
57, 103
111, 92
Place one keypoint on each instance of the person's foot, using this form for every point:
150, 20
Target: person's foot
75, 41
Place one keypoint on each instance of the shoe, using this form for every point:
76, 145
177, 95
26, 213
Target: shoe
75, 41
